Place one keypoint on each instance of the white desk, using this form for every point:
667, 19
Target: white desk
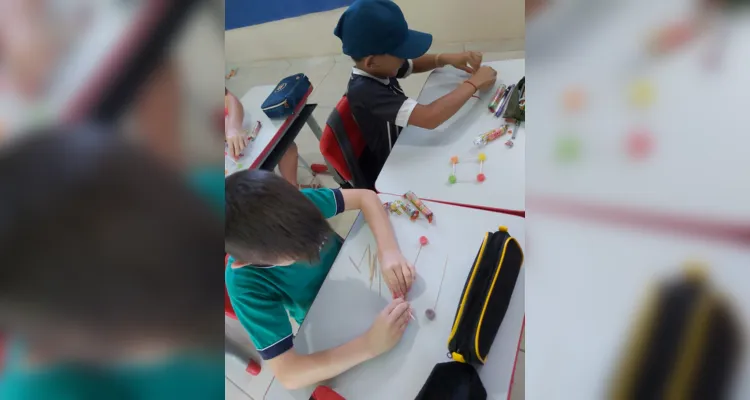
420, 159
345, 307
586, 281
270, 132
699, 166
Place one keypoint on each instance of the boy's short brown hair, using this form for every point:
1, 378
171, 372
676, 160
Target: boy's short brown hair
268, 219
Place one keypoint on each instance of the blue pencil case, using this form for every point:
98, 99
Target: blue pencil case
286, 96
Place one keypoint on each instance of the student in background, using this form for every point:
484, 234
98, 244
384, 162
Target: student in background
375, 34
281, 249
106, 285
236, 138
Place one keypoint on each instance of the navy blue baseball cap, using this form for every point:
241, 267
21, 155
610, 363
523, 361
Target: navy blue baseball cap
374, 27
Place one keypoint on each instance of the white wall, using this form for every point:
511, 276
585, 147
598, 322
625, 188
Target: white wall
449, 21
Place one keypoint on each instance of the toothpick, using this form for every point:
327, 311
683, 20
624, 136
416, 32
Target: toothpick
417, 257
380, 282
441, 283
363, 255
372, 270
354, 264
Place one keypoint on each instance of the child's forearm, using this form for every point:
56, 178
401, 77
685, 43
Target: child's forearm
380, 224
426, 63
432, 115
296, 371
236, 113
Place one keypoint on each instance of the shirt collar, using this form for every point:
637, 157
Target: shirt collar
357, 71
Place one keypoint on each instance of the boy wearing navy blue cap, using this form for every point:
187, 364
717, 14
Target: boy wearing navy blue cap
375, 34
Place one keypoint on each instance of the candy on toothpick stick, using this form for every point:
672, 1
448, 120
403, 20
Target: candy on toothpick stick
641, 93
568, 148
452, 177
420, 205
430, 312
395, 208
480, 176
574, 99
639, 144
422, 243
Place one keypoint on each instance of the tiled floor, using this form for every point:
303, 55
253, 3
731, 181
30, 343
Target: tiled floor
329, 76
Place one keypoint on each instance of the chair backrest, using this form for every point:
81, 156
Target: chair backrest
341, 143
228, 310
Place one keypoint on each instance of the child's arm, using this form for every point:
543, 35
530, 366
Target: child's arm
397, 272
468, 61
432, 115
295, 370
233, 124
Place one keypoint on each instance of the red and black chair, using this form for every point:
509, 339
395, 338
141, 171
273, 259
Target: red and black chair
342, 144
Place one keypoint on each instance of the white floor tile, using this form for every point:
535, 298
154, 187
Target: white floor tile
316, 68
330, 90
248, 77
254, 386
232, 392
343, 59
497, 45
505, 55
518, 391
343, 222
446, 48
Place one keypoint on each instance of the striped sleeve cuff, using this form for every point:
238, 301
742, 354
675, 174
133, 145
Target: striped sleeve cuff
277, 348
339, 199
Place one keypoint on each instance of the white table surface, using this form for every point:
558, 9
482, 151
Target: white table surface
699, 166
420, 159
345, 307
270, 132
585, 282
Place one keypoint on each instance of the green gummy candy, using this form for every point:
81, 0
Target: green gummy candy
568, 148
452, 179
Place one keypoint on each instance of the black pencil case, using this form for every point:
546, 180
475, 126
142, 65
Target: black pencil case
453, 381
485, 297
685, 345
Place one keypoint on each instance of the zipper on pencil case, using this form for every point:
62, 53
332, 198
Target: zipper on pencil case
283, 103
475, 300
491, 258
494, 276
455, 339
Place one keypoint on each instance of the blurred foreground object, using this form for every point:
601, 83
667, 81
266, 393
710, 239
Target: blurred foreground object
686, 344
106, 285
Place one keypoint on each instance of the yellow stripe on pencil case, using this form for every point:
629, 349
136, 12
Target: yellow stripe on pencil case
485, 297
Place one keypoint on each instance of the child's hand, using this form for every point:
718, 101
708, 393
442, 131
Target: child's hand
388, 327
236, 141
484, 78
468, 61
397, 272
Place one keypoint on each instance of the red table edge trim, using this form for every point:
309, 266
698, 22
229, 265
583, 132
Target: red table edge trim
134, 34
686, 225
262, 156
517, 213
515, 362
